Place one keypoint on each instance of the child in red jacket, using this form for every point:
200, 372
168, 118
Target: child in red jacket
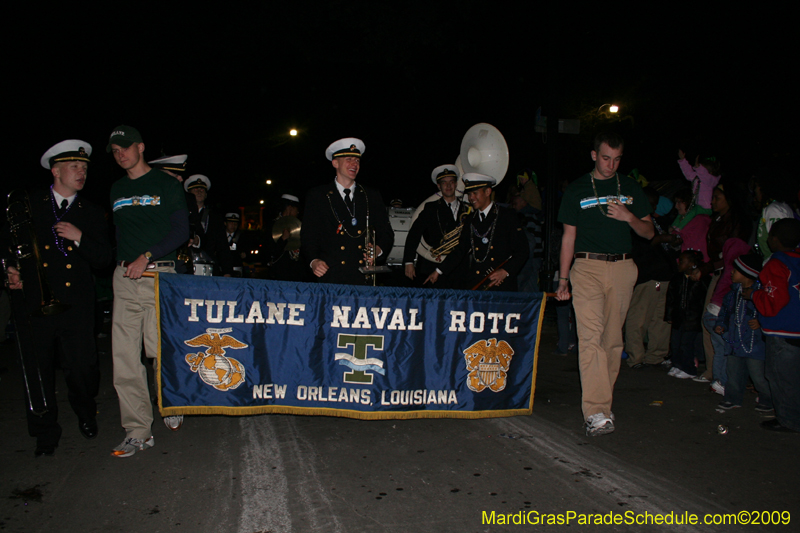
778, 305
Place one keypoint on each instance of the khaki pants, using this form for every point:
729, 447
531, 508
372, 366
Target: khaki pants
646, 319
601, 294
134, 323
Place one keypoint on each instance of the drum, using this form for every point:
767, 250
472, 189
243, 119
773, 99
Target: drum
400, 219
203, 269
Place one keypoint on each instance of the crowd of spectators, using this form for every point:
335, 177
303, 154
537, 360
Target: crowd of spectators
707, 283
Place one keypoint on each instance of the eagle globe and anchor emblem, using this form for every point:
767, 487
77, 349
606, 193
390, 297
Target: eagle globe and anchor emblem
488, 362
213, 366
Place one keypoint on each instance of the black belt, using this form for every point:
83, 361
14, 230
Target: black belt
602, 257
150, 266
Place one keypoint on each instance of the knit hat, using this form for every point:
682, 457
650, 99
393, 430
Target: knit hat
749, 265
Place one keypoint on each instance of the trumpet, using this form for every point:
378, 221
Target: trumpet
483, 285
370, 269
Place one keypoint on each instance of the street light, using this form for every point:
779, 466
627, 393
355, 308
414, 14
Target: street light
612, 108
293, 132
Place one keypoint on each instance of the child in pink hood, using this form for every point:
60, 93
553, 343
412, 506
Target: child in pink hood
704, 176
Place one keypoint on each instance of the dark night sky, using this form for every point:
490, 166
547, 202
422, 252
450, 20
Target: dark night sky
225, 84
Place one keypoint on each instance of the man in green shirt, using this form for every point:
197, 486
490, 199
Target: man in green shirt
151, 223
598, 211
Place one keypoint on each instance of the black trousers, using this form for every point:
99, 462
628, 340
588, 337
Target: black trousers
685, 346
63, 341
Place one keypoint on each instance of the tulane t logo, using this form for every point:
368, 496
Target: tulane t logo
358, 362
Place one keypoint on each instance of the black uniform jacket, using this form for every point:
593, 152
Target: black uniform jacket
507, 241
210, 227
435, 221
285, 264
328, 233
68, 272
236, 246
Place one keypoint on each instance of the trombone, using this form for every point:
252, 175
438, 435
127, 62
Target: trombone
26, 245
450, 239
483, 150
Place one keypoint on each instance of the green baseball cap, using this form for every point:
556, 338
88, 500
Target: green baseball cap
123, 136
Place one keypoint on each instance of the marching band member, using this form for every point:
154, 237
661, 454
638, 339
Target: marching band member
336, 219
72, 237
492, 243
237, 250
175, 166
284, 262
207, 227
438, 218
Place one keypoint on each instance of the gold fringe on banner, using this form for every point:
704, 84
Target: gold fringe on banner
342, 413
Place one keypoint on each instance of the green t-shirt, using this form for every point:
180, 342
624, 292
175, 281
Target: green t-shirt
596, 233
142, 208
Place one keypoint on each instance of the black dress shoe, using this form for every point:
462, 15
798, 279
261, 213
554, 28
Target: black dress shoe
88, 428
774, 425
44, 449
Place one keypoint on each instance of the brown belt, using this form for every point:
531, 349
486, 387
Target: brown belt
150, 266
602, 257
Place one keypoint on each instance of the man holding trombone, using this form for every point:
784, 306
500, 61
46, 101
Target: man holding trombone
439, 223
63, 238
492, 245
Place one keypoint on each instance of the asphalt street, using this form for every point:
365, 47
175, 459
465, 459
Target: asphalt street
276, 473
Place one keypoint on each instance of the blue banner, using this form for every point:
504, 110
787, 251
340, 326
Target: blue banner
240, 347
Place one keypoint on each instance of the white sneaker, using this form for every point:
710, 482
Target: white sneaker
598, 424
173, 422
673, 371
718, 387
680, 374
130, 446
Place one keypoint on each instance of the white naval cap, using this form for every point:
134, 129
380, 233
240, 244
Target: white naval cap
347, 147
232, 217
196, 180
444, 171
290, 198
69, 150
175, 163
473, 180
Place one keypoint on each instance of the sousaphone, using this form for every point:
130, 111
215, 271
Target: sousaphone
483, 150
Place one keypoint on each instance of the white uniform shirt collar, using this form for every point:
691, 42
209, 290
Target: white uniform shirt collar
60, 198
341, 188
454, 205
